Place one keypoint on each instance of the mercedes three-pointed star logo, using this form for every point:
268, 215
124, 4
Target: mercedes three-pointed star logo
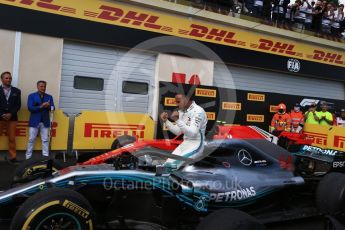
244, 157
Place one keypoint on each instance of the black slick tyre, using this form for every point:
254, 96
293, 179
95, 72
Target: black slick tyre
55, 208
35, 166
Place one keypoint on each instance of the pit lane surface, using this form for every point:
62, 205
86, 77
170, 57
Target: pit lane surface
7, 170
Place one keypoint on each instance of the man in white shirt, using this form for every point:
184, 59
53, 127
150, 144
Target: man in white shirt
190, 120
341, 119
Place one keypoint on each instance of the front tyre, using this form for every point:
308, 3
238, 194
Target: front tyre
55, 208
33, 167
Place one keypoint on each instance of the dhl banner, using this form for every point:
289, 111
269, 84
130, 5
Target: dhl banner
59, 132
98, 130
326, 136
130, 16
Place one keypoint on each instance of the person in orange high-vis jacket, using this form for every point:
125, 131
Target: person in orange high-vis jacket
297, 119
281, 121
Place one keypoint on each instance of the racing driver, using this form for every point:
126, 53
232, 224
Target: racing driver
191, 120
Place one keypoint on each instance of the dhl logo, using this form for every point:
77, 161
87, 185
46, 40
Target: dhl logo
255, 97
23, 127
214, 34
339, 142
211, 116
318, 138
107, 13
231, 106
327, 57
113, 130
255, 118
277, 47
205, 92
46, 4
169, 101
273, 108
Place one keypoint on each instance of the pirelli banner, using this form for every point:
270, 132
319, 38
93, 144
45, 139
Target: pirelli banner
59, 132
137, 23
98, 130
326, 137
239, 107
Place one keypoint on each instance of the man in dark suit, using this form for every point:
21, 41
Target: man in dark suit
10, 103
39, 104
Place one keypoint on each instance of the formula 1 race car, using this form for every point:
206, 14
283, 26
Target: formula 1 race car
237, 184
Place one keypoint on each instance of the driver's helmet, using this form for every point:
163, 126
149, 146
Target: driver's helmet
281, 108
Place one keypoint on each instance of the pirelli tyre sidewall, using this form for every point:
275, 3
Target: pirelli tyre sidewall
54, 207
34, 166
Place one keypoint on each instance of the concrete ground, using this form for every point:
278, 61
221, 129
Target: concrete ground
7, 171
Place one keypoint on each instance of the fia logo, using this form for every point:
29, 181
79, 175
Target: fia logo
293, 65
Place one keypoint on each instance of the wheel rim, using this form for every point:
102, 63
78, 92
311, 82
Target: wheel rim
59, 221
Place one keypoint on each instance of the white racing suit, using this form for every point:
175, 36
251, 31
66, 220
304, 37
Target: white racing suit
192, 123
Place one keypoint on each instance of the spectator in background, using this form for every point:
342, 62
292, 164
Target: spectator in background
325, 117
327, 18
249, 5
257, 9
297, 119
300, 12
338, 16
266, 10
341, 118
309, 15
39, 104
10, 103
279, 10
317, 17
281, 121
311, 116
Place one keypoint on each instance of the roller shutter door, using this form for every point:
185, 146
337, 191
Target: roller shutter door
110, 65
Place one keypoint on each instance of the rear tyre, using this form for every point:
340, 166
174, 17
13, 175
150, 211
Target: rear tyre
330, 194
230, 219
55, 208
122, 141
